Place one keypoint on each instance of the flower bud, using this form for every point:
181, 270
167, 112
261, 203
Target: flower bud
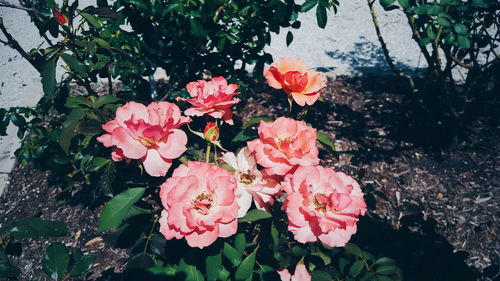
211, 132
61, 19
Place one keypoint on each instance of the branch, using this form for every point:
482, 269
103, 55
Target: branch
11, 42
384, 47
14, 6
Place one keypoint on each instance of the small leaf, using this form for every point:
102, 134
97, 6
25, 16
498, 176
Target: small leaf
289, 38
77, 101
75, 65
385, 261
386, 3
319, 275
460, 28
231, 254
98, 163
245, 270
117, 208
404, 3
356, 268
308, 5
68, 130
443, 21
255, 215
321, 16
196, 28
324, 139
91, 19
463, 41
55, 260
245, 135
106, 99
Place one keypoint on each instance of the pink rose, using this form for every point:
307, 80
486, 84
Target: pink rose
293, 77
148, 133
284, 145
199, 204
322, 203
214, 97
252, 183
301, 274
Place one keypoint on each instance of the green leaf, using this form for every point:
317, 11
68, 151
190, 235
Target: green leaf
231, 254
77, 101
383, 278
386, 3
75, 65
48, 74
353, 249
68, 131
196, 28
356, 268
463, 41
106, 180
443, 21
308, 5
430, 33
425, 41
324, 139
55, 260
386, 269
91, 19
319, 275
255, 215
321, 16
385, 261
255, 121
81, 263
88, 127
245, 135
118, 207
106, 99
34, 227
213, 265
98, 163
240, 243
404, 3
191, 272
9, 271
460, 28
102, 43
289, 38
245, 270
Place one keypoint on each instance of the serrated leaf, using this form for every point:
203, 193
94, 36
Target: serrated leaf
245, 270
55, 261
118, 207
321, 16
231, 254
308, 5
324, 139
255, 215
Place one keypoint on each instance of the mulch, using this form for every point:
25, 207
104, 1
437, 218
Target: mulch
409, 185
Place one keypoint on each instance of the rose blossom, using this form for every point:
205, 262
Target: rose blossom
301, 274
322, 203
199, 204
252, 183
214, 97
283, 145
148, 133
211, 132
293, 77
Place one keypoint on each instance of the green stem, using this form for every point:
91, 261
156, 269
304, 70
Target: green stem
215, 154
150, 233
207, 153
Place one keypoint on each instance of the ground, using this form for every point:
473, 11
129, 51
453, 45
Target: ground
422, 199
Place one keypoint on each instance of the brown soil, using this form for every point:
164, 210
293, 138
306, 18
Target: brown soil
456, 190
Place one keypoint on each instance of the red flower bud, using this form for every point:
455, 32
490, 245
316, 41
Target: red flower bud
61, 19
211, 132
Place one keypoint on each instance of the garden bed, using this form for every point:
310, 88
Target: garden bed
454, 191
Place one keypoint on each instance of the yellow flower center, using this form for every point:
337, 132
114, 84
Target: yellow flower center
202, 203
320, 202
147, 142
247, 177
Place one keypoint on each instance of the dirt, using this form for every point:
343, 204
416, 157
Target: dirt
409, 184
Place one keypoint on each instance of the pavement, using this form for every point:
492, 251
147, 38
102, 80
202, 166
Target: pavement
347, 46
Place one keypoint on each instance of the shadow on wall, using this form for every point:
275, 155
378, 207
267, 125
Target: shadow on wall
367, 58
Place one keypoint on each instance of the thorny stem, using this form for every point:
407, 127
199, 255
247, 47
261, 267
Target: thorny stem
150, 233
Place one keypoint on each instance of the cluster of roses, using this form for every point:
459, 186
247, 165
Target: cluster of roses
202, 201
